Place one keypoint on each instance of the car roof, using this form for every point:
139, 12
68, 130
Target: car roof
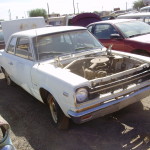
113, 21
47, 30
145, 7
140, 14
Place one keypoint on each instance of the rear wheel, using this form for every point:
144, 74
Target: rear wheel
58, 118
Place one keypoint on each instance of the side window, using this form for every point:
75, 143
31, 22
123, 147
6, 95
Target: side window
103, 31
11, 46
23, 48
90, 28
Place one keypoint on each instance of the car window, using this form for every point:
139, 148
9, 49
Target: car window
133, 28
11, 46
49, 46
103, 31
23, 48
90, 28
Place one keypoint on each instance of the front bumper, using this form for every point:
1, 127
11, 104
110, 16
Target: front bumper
108, 108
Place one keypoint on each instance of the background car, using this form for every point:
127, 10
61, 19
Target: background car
145, 9
124, 34
2, 43
142, 16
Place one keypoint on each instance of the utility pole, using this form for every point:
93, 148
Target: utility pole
78, 8
74, 7
9, 13
126, 6
48, 9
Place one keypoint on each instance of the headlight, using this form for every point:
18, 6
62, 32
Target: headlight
81, 95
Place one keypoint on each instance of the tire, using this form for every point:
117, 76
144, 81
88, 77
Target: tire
58, 118
9, 82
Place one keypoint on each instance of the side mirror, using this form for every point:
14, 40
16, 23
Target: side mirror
5, 141
115, 36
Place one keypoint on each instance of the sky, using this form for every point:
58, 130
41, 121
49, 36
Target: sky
19, 8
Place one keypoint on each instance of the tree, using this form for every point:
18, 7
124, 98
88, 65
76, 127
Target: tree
138, 4
38, 12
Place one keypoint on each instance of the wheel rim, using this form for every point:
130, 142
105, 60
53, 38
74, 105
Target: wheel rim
53, 110
8, 80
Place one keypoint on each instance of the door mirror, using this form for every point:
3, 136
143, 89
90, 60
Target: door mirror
115, 36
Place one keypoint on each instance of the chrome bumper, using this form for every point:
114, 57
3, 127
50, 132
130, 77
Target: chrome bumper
108, 108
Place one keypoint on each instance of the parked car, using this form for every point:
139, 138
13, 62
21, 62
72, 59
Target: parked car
2, 43
107, 17
5, 140
145, 9
125, 35
68, 69
118, 12
145, 16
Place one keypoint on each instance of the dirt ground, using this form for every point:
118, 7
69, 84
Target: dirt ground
31, 128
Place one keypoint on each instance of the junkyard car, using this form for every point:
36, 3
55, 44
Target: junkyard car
145, 16
68, 69
5, 141
124, 34
2, 43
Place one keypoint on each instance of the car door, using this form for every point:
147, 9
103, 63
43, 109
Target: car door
23, 63
103, 33
9, 58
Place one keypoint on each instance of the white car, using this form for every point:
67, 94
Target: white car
68, 69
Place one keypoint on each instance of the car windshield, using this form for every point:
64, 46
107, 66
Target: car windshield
52, 45
133, 28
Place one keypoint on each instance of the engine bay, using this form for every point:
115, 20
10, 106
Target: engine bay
92, 67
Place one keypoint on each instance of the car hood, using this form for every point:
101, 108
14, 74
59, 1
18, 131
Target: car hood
63, 74
142, 38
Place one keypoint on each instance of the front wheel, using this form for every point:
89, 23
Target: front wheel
58, 118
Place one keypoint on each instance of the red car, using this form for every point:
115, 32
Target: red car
125, 35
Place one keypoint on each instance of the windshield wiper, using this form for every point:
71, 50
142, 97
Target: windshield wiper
139, 34
52, 52
135, 35
86, 47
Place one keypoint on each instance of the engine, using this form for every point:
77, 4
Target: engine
97, 67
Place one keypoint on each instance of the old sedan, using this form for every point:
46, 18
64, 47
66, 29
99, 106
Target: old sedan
68, 69
125, 35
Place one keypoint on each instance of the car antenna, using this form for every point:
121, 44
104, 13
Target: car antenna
37, 47
108, 50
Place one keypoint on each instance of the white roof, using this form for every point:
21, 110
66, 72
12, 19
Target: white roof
113, 21
48, 30
140, 14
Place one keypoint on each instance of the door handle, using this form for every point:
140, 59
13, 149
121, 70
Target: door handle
11, 63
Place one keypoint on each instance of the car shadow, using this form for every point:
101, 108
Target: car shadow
31, 127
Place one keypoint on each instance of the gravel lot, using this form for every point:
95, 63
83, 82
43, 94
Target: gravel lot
31, 128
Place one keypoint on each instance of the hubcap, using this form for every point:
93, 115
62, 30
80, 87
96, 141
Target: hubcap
53, 110
8, 81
